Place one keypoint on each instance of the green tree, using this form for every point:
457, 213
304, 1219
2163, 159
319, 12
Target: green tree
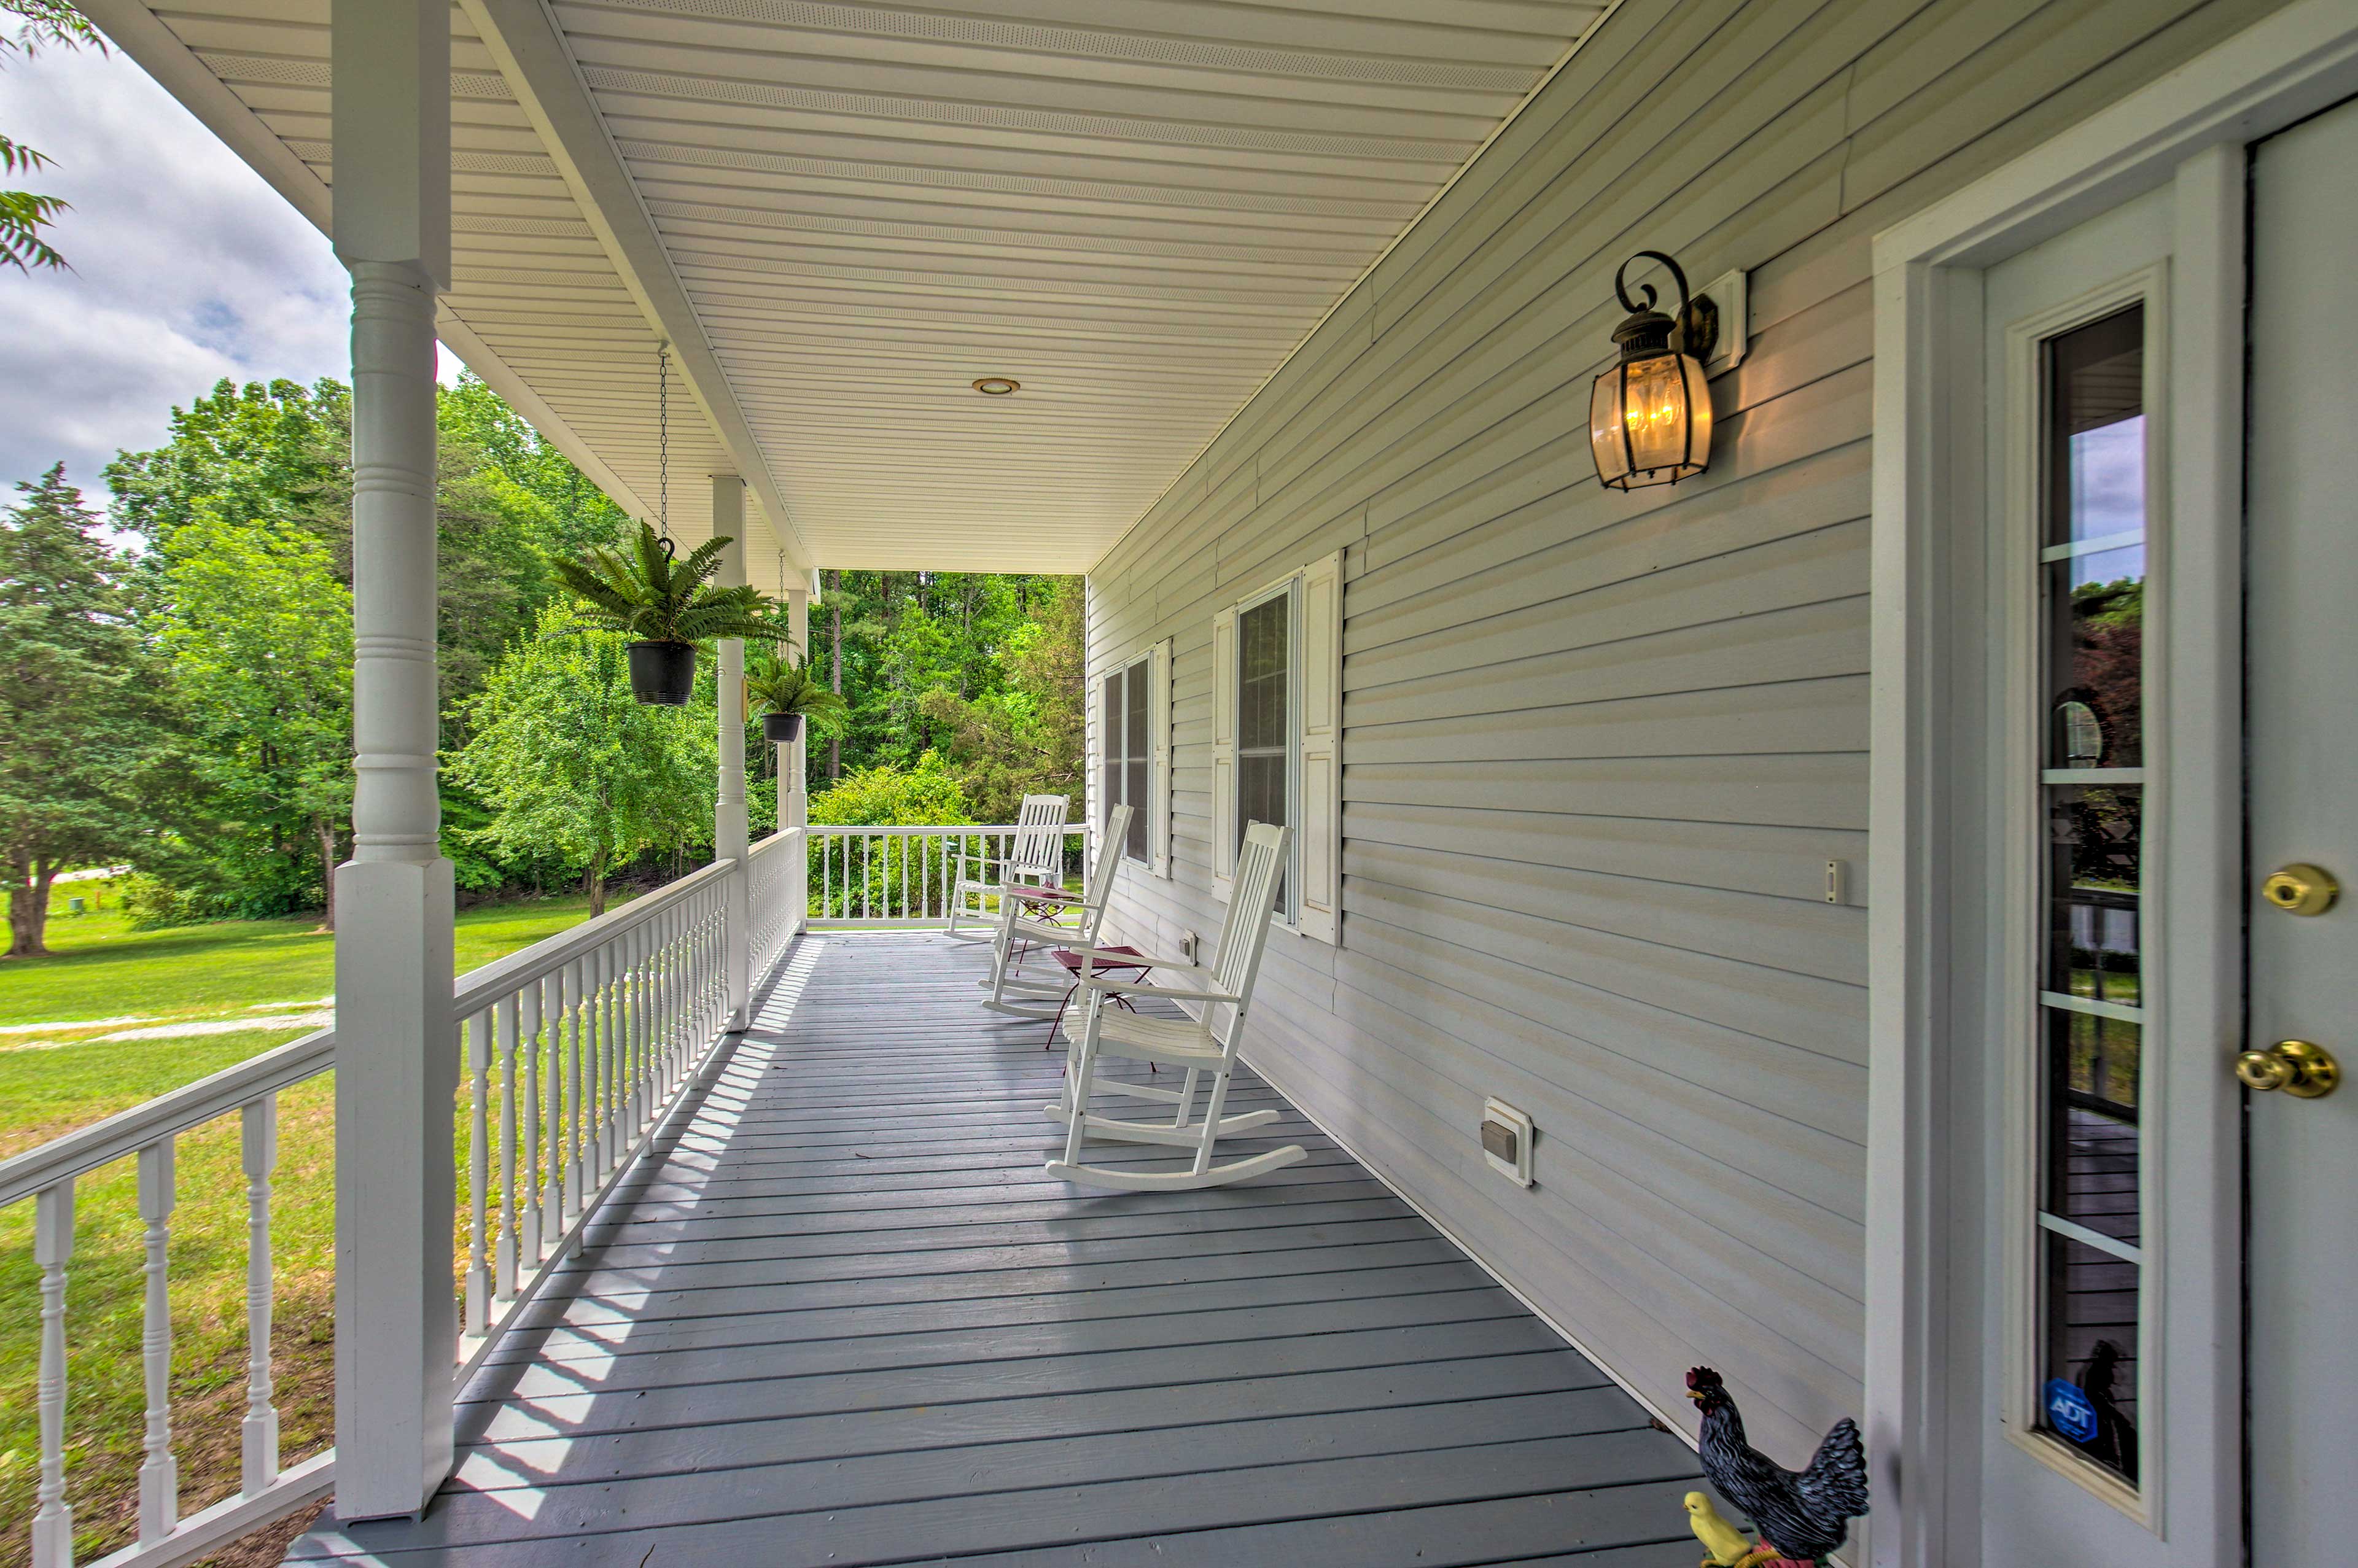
271, 460
508, 505
25, 213
257, 633
895, 638
1025, 736
566, 758
890, 796
78, 711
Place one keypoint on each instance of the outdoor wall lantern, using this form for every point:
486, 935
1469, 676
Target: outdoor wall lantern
1650, 415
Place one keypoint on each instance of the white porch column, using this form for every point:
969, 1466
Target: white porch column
794, 790
396, 1051
732, 835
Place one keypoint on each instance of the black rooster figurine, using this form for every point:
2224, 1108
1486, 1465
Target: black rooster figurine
1805, 1514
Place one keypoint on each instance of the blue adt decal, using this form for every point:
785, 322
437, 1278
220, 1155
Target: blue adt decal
2069, 1411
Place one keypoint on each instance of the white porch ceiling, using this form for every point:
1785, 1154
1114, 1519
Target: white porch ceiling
843, 213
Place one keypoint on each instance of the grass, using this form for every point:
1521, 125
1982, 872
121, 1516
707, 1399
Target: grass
64, 1075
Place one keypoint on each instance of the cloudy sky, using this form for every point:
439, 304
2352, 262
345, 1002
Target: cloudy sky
187, 268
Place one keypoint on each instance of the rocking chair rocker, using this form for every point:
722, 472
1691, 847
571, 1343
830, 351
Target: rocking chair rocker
1027, 920
1035, 860
1195, 1044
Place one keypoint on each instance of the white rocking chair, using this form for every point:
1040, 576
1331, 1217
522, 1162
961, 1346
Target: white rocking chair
1193, 1043
1035, 859
1027, 920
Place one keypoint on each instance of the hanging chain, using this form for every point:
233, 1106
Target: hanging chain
663, 439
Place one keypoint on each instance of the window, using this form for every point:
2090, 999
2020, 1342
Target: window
1277, 703
1126, 770
1268, 750
2090, 980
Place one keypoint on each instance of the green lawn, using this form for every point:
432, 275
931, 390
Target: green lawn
64, 1075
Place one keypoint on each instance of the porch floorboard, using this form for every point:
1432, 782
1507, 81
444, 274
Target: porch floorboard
841, 1317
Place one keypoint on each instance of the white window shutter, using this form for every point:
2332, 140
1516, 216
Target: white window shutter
1321, 748
1224, 753
1158, 741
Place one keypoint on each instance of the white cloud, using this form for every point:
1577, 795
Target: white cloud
187, 268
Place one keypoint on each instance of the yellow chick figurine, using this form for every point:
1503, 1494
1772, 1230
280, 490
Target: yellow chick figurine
1727, 1544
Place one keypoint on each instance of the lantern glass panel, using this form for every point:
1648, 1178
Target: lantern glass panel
1650, 421
1654, 407
1605, 428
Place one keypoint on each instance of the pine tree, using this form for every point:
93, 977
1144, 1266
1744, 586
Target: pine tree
79, 720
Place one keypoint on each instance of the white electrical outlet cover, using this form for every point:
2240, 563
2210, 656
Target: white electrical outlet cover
1518, 1170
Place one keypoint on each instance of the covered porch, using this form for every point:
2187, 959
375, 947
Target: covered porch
836, 1312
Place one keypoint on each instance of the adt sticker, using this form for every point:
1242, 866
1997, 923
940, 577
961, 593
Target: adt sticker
2071, 1411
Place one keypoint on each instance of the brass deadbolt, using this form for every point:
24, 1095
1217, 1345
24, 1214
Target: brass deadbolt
2302, 1069
2301, 889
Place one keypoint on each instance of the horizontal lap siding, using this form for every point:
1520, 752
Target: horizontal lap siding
1599, 748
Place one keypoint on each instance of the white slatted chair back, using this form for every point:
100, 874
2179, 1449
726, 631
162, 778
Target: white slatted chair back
1036, 856
1098, 891
1039, 847
1261, 864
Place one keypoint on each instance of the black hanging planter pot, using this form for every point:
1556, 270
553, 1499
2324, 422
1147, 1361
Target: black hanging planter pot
663, 673
782, 729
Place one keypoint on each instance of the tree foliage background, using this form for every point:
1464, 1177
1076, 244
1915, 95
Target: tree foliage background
178, 696
982, 672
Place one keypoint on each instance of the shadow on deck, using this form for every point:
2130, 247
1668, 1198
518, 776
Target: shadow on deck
843, 1318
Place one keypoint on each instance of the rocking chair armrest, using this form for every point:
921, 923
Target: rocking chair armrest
1039, 930
1029, 894
1108, 959
1148, 988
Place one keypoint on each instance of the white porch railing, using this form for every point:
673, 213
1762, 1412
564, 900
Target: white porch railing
574, 1050
901, 878
776, 895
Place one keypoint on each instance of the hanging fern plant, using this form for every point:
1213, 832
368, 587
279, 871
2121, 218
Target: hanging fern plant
667, 604
785, 694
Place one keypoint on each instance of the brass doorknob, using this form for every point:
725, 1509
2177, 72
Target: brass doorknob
2301, 889
2303, 1070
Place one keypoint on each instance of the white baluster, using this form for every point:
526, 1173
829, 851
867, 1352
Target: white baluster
258, 1435
642, 1023
609, 1055
53, 1241
159, 1479
576, 1097
505, 1009
651, 1036
528, 1244
548, 995
666, 975
479, 1173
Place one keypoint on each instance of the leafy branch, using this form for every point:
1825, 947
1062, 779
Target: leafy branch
46, 24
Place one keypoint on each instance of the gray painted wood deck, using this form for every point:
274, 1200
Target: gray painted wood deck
842, 1318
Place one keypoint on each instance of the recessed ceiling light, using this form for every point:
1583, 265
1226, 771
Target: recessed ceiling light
996, 385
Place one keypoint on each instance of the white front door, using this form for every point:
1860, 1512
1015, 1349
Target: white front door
2301, 641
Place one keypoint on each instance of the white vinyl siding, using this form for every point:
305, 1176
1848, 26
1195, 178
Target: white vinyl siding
1601, 746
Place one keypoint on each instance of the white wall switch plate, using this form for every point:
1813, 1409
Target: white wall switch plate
1506, 1141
